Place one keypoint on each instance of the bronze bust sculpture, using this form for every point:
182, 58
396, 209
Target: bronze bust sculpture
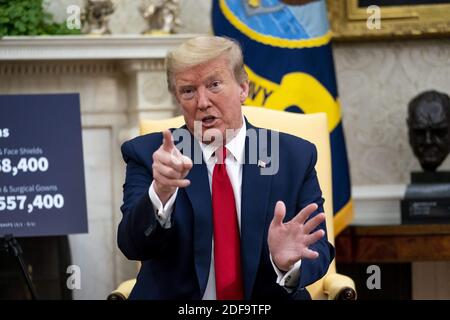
426, 198
429, 128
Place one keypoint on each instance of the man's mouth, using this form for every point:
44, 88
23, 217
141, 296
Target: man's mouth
208, 121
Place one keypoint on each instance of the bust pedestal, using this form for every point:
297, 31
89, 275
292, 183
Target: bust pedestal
427, 198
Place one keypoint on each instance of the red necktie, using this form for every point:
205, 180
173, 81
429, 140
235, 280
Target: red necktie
227, 251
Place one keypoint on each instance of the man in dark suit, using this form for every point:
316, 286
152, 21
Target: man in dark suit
222, 225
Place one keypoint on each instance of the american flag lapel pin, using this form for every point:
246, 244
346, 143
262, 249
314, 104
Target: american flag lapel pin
261, 164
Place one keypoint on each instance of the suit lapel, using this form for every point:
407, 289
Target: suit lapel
200, 197
255, 197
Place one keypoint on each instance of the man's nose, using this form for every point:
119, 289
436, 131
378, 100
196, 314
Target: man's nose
428, 137
203, 102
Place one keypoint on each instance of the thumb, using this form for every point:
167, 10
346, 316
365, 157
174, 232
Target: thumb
279, 213
167, 141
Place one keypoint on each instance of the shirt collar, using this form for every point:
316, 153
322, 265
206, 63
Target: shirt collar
235, 146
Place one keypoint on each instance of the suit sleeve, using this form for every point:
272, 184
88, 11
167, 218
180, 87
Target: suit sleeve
140, 235
312, 270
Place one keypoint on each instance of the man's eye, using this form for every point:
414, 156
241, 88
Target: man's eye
215, 84
187, 93
440, 132
419, 131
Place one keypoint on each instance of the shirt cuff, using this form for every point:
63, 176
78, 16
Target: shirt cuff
162, 213
289, 279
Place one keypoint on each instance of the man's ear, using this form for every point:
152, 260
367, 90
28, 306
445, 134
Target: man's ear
244, 91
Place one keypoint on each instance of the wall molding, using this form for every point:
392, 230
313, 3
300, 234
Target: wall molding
15, 68
85, 47
132, 66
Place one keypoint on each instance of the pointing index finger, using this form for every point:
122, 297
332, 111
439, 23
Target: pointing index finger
168, 141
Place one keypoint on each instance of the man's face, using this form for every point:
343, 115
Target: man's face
429, 134
210, 94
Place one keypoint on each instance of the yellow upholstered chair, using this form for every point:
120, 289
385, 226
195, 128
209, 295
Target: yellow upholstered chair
312, 127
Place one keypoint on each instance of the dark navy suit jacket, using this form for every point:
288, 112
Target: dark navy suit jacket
176, 261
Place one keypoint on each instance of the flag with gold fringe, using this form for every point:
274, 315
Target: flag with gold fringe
289, 60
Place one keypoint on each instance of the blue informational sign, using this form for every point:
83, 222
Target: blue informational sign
42, 190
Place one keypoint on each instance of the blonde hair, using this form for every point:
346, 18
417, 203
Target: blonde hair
202, 49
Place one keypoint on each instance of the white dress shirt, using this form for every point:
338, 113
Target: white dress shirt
234, 162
